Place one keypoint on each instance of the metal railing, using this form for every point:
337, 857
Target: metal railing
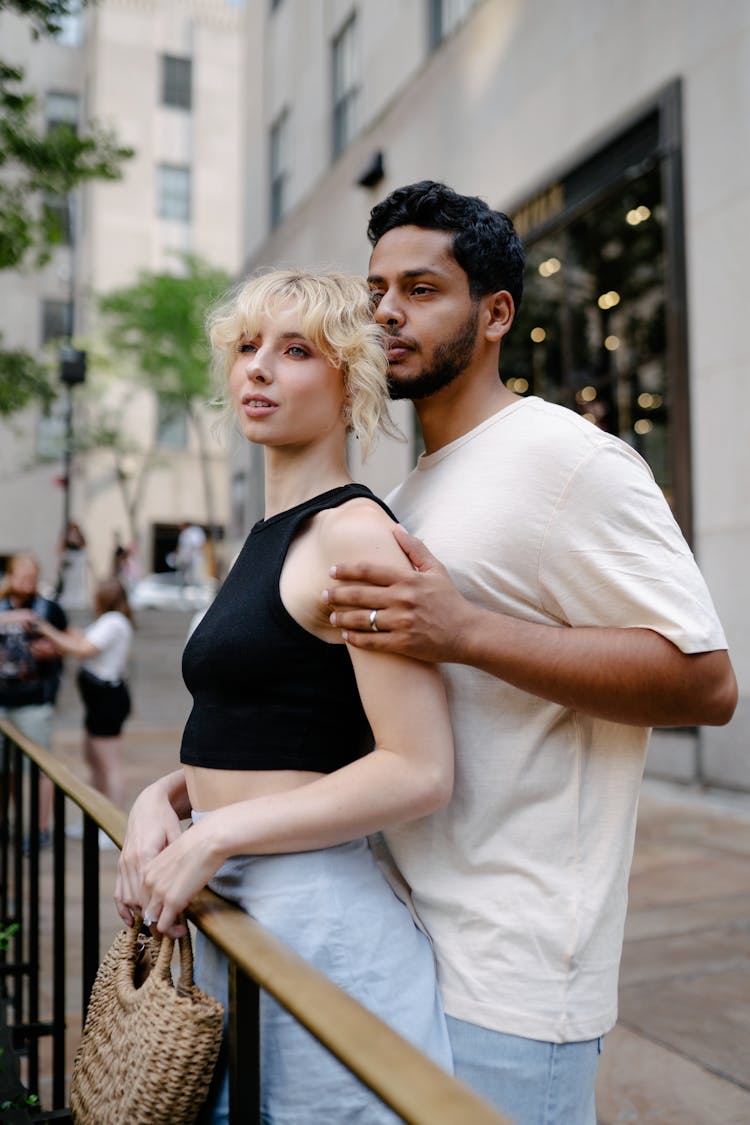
399, 1074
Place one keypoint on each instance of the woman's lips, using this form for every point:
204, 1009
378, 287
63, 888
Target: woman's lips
256, 406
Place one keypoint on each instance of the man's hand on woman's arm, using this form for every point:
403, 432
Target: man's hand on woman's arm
624, 675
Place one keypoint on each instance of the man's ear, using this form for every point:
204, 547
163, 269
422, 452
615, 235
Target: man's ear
499, 311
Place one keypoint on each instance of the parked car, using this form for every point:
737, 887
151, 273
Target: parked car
167, 590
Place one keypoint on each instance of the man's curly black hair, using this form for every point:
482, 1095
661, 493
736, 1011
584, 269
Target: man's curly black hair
485, 243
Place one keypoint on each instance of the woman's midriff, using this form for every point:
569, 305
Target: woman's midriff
213, 789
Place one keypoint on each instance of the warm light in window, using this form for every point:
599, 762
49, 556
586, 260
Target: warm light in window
643, 426
538, 335
612, 343
550, 266
520, 386
609, 300
649, 401
586, 394
638, 215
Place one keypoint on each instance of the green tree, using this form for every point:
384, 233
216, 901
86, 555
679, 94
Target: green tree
159, 322
36, 167
22, 380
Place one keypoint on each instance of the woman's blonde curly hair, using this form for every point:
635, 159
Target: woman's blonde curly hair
335, 315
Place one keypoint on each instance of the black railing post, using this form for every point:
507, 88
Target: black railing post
244, 1048
5, 750
33, 975
90, 957
58, 953
5, 919
18, 896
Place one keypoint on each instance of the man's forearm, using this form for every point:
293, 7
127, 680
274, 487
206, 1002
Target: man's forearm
623, 675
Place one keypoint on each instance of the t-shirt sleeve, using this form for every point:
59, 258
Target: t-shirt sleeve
613, 555
104, 631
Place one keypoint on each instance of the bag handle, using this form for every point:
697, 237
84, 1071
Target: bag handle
164, 958
161, 962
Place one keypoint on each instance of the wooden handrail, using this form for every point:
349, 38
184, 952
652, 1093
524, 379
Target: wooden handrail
406, 1080
107, 815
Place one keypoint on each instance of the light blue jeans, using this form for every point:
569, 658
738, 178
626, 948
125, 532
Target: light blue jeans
531, 1081
35, 721
335, 908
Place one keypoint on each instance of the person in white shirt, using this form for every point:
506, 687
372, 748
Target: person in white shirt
103, 648
569, 617
191, 543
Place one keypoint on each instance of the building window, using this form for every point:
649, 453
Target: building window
171, 425
58, 218
61, 109
601, 328
176, 82
279, 166
345, 85
71, 26
173, 192
50, 432
57, 320
446, 16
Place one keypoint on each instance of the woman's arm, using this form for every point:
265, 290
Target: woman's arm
70, 642
408, 775
153, 824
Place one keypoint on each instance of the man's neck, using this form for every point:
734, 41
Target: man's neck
459, 408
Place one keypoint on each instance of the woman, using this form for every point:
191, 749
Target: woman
103, 648
279, 772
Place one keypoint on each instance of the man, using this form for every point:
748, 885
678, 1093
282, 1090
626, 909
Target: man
569, 616
30, 667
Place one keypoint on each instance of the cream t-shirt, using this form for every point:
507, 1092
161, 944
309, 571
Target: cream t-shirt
522, 881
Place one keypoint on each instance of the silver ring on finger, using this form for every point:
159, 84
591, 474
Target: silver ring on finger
373, 621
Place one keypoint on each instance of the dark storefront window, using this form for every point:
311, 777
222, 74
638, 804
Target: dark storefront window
601, 326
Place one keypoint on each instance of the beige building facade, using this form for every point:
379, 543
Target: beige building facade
167, 77
619, 138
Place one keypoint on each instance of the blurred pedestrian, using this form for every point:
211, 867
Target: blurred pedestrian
119, 558
71, 582
191, 542
104, 648
30, 666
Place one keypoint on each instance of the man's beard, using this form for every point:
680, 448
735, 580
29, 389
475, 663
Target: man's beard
449, 359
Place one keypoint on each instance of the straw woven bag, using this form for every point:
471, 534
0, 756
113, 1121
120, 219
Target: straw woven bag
149, 1047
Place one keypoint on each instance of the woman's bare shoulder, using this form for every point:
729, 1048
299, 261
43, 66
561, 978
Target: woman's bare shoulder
360, 530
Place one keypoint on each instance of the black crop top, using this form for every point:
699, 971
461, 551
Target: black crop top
266, 693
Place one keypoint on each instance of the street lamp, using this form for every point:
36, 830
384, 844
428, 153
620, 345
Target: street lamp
72, 372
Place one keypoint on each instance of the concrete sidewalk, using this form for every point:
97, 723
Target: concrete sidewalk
680, 1054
